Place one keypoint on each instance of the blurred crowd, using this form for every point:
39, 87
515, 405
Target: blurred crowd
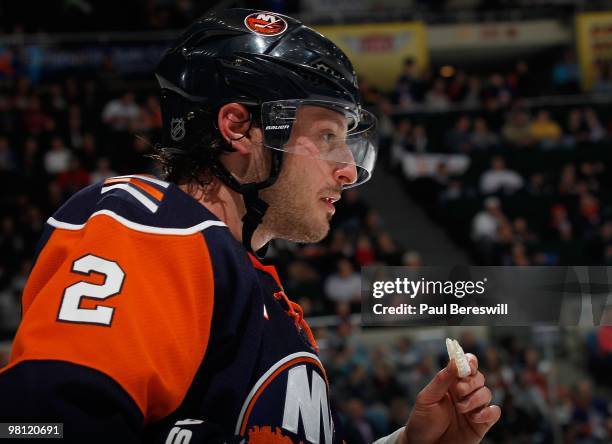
514, 180
375, 386
57, 138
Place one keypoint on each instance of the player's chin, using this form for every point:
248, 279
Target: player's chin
317, 231
314, 232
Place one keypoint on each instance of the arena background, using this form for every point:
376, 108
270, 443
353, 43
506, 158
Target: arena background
495, 149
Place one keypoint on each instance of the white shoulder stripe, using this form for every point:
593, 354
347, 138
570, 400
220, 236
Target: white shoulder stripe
138, 227
161, 183
152, 206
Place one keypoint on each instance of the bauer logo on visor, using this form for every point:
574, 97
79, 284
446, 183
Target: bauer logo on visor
265, 23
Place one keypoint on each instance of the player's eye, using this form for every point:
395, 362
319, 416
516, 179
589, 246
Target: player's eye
329, 137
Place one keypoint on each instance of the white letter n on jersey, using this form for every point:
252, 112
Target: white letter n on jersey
311, 405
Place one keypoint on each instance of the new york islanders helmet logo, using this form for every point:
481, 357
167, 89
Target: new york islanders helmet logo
265, 23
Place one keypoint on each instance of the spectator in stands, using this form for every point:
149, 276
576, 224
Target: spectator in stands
402, 141
453, 191
603, 250
591, 415
521, 231
57, 101
521, 82
436, 98
544, 130
498, 89
412, 259
358, 428
344, 284
57, 159
589, 217
490, 231
560, 223
519, 255
74, 178
119, 114
441, 175
406, 84
602, 79
576, 130
457, 87
7, 157
595, 128
473, 95
458, 140
35, 119
422, 373
370, 95
103, 171
150, 116
566, 74
419, 140
12, 244
500, 179
303, 281
364, 251
75, 127
499, 375
517, 129
481, 137
88, 154
538, 185
31, 161
385, 382
351, 211
7, 116
404, 357
568, 180
386, 250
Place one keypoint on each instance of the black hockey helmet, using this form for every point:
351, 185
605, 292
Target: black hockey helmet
272, 64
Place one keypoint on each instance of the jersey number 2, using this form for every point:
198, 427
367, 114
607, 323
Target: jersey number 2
70, 310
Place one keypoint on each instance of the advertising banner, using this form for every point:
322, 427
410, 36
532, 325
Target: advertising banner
594, 45
378, 50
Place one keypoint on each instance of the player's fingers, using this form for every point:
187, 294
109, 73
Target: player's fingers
439, 385
485, 415
465, 386
473, 360
489, 416
475, 400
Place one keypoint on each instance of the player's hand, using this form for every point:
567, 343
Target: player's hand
452, 410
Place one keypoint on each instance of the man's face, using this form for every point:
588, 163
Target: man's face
302, 199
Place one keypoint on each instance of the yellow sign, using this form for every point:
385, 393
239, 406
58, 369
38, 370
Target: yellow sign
378, 50
594, 43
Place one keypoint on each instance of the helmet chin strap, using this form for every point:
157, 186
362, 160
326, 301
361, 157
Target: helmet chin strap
255, 207
255, 210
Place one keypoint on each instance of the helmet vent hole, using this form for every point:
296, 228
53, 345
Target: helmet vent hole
327, 69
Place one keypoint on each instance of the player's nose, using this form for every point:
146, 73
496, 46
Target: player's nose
345, 174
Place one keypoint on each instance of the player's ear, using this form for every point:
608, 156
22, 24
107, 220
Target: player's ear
234, 123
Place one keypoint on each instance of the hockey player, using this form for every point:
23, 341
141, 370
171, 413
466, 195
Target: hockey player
148, 316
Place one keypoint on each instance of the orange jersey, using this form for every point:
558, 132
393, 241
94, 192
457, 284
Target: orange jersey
143, 309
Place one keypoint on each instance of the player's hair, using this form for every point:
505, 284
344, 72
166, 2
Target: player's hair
196, 163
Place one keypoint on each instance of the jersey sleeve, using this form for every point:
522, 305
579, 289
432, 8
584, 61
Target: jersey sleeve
126, 312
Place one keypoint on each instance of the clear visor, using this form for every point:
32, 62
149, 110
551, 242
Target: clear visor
323, 130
